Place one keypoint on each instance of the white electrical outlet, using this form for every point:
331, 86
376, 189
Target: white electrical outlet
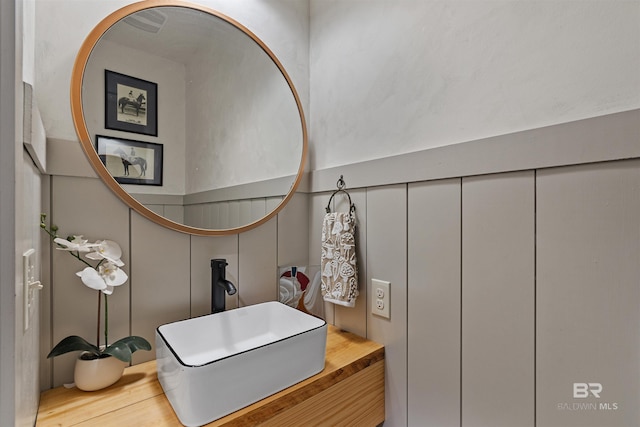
380, 296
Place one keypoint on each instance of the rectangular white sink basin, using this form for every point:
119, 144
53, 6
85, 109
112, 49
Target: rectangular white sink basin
213, 365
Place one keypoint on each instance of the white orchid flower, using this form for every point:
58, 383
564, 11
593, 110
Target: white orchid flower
109, 250
92, 279
77, 244
105, 279
111, 274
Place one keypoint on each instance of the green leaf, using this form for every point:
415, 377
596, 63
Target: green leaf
125, 347
73, 343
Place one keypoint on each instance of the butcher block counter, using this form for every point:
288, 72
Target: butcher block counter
348, 392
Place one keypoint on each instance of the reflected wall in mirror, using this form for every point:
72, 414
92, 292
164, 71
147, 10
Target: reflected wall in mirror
228, 116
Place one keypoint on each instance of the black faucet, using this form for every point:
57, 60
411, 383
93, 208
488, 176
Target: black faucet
219, 284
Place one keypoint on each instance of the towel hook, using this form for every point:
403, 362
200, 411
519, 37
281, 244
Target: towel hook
341, 189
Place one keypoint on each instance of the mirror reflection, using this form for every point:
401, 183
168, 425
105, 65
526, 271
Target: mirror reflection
211, 99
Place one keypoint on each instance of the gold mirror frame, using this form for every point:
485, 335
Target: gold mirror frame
87, 144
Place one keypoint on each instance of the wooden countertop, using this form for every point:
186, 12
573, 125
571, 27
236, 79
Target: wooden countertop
137, 398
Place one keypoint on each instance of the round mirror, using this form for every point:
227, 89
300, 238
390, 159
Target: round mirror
188, 117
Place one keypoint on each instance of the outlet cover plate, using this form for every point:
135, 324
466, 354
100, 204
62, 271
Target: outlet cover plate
380, 298
28, 272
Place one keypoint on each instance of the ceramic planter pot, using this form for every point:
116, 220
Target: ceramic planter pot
96, 374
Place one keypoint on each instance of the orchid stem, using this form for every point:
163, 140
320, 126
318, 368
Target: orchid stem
77, 255
106, 321
98, 331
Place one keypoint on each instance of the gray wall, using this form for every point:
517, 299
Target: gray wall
508, 286
8, 249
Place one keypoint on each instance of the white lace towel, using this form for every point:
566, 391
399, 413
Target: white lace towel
338, 261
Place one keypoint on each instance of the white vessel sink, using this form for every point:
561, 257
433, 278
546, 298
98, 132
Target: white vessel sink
213, 365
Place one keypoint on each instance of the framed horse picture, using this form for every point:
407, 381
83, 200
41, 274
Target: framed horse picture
131, 104
131, 162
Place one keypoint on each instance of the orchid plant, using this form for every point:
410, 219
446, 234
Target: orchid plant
103, 277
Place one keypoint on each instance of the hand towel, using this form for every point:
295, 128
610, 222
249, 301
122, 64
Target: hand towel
338, 261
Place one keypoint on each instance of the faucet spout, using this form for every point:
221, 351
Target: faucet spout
228, 286
219, 285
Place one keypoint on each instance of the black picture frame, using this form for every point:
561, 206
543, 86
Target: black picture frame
129, 161
131, 104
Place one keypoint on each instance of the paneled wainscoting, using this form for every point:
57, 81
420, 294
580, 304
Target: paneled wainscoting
506, 290
507, 287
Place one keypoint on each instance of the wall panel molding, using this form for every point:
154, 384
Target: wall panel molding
433, 308
598, 139
498, 300
386, 255
588, 294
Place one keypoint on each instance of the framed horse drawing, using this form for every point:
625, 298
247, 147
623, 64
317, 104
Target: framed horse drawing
131, 104
131, 162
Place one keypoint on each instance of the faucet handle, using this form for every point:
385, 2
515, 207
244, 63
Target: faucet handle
219, 262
